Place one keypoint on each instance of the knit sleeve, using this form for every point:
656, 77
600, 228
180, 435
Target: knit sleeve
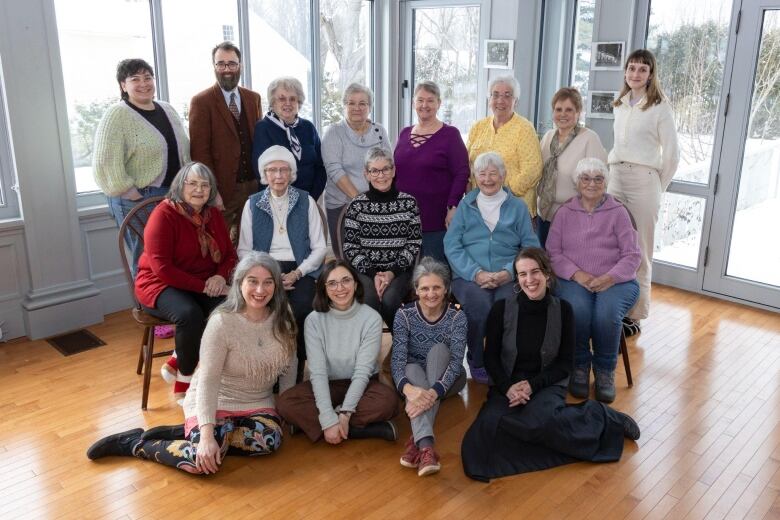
458, 165
365, 362
529, 159
333, 154
318, 368
408, 254
108, 157
562, 265
160, 239
353, 247
594, 148
182, 141
213, 353
245, 237
458, 328
400, 349
317, 243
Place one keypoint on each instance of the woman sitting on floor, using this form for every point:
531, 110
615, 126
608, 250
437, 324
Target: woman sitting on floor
248, 344
525, 424
344, 398
429, 340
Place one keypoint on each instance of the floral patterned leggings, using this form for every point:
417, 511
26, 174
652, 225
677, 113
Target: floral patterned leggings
247, 436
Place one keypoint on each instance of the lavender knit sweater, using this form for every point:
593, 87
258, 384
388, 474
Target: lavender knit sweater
600, 242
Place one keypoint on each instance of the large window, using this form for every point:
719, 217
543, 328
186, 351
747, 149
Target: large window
345, 41
583, 38
94, 36
9, 202
445, 42
192, 29
280, 34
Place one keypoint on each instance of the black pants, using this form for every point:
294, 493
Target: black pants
300, 298
392, 298
189, 311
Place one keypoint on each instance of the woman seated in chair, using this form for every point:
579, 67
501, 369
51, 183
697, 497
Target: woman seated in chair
344, 398
248, 344
429, 341
489, 228
525, 424
183, 269
595, 254
382, 236
284, 221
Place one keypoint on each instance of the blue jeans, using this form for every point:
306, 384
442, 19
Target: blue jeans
477, 303
433, 245
119, 208
598, 316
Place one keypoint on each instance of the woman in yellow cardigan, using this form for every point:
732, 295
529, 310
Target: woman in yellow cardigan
513, 137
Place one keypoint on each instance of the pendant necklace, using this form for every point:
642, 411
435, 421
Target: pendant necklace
279, 211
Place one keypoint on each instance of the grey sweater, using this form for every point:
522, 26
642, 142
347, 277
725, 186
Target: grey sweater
344, 153
342, 345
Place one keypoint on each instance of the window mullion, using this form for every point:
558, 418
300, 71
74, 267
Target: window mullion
158, 42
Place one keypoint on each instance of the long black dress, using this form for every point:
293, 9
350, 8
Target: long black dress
545, 432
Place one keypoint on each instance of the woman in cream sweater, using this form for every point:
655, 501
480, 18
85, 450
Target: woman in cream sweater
248, 344
562, 149
642, 162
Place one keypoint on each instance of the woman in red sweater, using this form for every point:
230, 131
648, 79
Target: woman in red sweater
186, 261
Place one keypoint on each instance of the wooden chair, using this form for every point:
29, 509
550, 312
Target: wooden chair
624, 353
134, 223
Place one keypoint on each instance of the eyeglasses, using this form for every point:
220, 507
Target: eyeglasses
598, 180
345, 282
226, 65
376, 172
285, 99
284, 170
499, 95
195, 185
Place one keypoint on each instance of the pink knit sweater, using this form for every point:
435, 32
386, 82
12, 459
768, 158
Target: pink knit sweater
600, 242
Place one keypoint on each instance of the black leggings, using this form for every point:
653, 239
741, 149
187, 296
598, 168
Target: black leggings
188, 311
391, 299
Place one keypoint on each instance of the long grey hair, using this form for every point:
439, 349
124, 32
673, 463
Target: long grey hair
284, 328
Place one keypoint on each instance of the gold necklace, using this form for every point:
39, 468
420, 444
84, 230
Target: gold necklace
279, 211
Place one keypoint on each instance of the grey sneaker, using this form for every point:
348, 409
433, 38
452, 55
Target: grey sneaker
579, 382
605, 385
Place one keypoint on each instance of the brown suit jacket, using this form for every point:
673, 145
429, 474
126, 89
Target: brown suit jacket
213, 136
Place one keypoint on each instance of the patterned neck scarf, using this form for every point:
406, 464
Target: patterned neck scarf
295, 144
546, 188
207, 242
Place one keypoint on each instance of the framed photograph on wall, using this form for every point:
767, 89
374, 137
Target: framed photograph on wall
607, 55
499, 54
600, 103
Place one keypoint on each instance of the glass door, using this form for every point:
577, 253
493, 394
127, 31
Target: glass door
744, 240
441, 44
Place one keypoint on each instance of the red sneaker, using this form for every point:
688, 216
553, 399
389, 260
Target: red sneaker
411, 456
428, 463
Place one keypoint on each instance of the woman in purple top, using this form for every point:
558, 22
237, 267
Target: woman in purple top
432, 165
594, 250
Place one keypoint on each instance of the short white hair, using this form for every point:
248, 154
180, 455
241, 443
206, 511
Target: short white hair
486, 159
510, 81
590, 164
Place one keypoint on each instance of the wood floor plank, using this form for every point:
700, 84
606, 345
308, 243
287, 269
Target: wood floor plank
706, 394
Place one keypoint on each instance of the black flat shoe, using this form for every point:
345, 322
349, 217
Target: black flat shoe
378, 430
631, 327
119, 444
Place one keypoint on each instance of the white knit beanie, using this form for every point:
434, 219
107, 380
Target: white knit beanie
277, 153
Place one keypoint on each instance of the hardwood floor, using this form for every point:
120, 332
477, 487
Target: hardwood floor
706, 395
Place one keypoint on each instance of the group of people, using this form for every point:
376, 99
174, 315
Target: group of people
242, 274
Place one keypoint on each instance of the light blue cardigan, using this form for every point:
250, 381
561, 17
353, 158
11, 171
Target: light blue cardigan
470, 245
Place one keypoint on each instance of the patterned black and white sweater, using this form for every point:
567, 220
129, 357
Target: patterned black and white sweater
382, 232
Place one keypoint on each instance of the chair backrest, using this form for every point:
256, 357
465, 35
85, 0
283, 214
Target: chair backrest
134, 224
337, 242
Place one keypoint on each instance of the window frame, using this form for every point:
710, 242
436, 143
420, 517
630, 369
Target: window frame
9, 187
86, 201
